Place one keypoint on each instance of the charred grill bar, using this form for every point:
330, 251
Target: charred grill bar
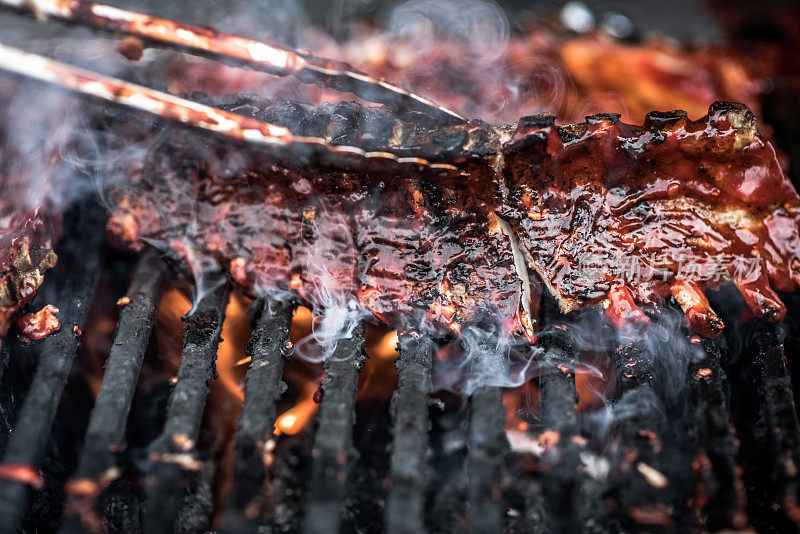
333, 442
768, 427
27, 443
486, 438
105, 436
485, 454
405, 506
722, 500
644, 501
174, 458
268, 349
561, 431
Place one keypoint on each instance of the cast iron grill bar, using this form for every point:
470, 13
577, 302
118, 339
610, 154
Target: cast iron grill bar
560, 423
56, 353
105, 435
407, 474
487, 446
640, 432
725, 506
777, 417
173, 452
333, 442
268, 349
559, 397
486, 438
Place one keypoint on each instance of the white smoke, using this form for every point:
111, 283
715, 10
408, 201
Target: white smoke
328, 265
479, 24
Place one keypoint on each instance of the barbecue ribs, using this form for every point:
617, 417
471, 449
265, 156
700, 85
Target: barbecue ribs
604, 213
409, 209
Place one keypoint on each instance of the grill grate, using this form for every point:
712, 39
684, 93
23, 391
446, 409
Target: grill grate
174, 451
646, 430
486, 438
767, 427
749, 399
562, 482
724, 503
411, 423
333, 443
268, 349
106, 433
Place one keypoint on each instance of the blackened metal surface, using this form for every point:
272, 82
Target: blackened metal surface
56, 354
561, 462
268, 349
723, 504
559, 396
654, 482
445, 504
486, 438
408, 473
767, 425
333, 442
173, 453
7, 411
487, 447
106, 433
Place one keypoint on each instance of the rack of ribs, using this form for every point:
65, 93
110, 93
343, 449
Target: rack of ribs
407, 208
601, 212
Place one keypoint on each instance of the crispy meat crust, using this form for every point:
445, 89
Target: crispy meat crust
675, 194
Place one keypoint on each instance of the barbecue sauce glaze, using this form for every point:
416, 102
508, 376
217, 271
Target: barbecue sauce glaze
602, 212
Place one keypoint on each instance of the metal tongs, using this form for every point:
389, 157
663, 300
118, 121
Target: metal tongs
211, 44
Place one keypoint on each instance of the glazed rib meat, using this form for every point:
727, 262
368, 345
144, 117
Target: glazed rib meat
394, 245
667, 209
603, 213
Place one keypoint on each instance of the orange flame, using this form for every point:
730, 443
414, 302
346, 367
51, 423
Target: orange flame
236, 331
295, 419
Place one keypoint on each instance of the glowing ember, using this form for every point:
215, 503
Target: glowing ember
549, 439
296, 282
653, 476
22, 473
236, 331
386, 348
703, 373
